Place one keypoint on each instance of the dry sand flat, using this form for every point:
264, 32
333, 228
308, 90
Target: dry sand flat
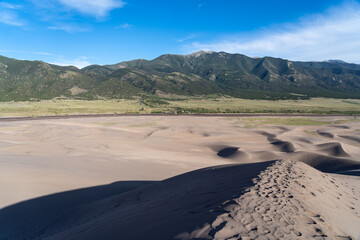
272, 193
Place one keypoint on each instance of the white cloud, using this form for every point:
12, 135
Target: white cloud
124, 26
11, 18
333, 35
80, 62
69, 28
98, 8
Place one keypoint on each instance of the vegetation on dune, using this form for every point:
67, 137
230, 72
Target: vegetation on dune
311, 132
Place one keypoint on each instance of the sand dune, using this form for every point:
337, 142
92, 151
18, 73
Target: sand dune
281, 205
228, 152
333, 149
270, 200
157, 211
325, 134
50, 212
264, 156
325, 163
233, 153
352, 138
284, 146
268, 182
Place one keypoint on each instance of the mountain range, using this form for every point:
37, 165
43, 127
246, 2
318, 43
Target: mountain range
197, 74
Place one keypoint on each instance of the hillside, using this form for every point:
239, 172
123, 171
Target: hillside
201, 73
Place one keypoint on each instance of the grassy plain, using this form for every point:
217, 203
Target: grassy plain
236, 105
255, 122
180, 106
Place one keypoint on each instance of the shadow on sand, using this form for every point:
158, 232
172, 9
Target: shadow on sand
47, 212
134, 209
130, 210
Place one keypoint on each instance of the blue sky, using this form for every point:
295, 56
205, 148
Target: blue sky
84, 32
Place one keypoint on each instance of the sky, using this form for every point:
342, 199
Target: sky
85, 32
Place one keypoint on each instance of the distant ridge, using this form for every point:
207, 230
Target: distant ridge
200, 73
335, 61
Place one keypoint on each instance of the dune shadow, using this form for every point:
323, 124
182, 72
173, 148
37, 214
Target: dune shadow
228, 152
328, 164
283, 146
351, 172
333, 149
341, 126
51, 210
325, 134
351, 138
304, 140
130, 210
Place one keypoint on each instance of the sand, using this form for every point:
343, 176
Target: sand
103, 178
288, 200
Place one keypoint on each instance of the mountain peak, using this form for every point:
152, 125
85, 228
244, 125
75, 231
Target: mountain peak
335, 61
196, 74
199, 53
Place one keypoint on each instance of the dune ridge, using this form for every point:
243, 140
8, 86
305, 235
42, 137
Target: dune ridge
290, 200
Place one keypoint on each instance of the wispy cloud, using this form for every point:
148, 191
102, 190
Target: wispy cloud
51, 58
69, 27
9, 5
187, 38
332, 35
27, 52
97, 8
9, 15
11, 18
124, 26
80, 62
